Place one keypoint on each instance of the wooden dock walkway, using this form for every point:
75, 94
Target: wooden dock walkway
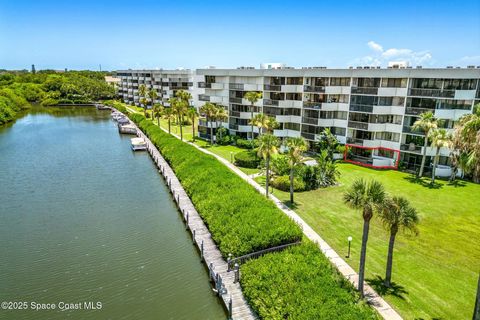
224, 282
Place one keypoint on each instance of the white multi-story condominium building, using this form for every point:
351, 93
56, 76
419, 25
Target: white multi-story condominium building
369, 109
166, 82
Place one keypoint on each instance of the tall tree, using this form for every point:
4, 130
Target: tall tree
425, 123
220, 115
440, 139
252, 97
157, 112
268, 146
152, 96
397, 215
467, 142
209, 110
192, 114
181, 107
369, 198
142, 92
296, 147
169, 115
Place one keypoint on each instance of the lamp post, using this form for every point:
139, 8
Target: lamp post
349, 244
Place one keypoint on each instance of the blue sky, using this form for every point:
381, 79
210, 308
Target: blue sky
193, 34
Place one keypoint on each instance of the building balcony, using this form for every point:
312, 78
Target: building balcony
365, 90
308, 136
417, 111
452, 114
395, 110
270, 102
392, 92
361, 108
411, 147
289, 118
272, 87
312, 105
311, 120
358, 125
335, 106
203, 97
286, 133
337, 89
313, 89
292, 88
431, 93
236, 86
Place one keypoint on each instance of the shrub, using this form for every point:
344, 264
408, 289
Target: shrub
300, 283
283, 183
279, 165
222, 137
246, 144
247, 159
240, 219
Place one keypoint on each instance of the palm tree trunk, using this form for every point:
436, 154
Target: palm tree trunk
435, 161
169, 125
291, 185
211, 132
424, 156
193, 129
251, 119
158, 121
267, 166
391, 243
181, 127
363, 256
476, 311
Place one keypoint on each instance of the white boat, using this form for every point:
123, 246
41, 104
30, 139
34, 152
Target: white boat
127, 128
138, 144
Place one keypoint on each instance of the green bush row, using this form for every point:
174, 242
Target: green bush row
246, 144
300, 283
11, 102
283, 183
247, 159
240, 219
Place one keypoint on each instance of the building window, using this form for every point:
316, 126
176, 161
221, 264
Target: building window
344, 82
394, 82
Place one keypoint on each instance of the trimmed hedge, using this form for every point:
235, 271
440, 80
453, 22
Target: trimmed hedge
246, 144
247, 159
283, 183
240, 219
300, 283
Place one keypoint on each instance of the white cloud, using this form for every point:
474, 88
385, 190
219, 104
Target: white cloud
381, 56
375, 46
470, 60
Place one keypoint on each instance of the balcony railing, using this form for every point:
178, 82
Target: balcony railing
312, 105
313, 89
236, 86
361, 108
365, 90
411, 147
235, 100
309, 136
355, 141
417, 111
309, 120
235, 114
358, 125
272, 87
204, 85
270, 102
203, 97
431, 93
408, 129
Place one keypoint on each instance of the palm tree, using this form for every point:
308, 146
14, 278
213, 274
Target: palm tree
181, 107
209, 110
467, 141
260, 120
440, 139
252, 97
268, 146
152, 95
192, 114
157, 112
220, 115
169, 115
397, 214
296, 146
426, 123
271, 124
142, 92
368, 197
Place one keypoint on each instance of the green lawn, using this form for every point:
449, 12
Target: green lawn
435, 273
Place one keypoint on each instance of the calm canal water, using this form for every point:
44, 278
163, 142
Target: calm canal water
84, 219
